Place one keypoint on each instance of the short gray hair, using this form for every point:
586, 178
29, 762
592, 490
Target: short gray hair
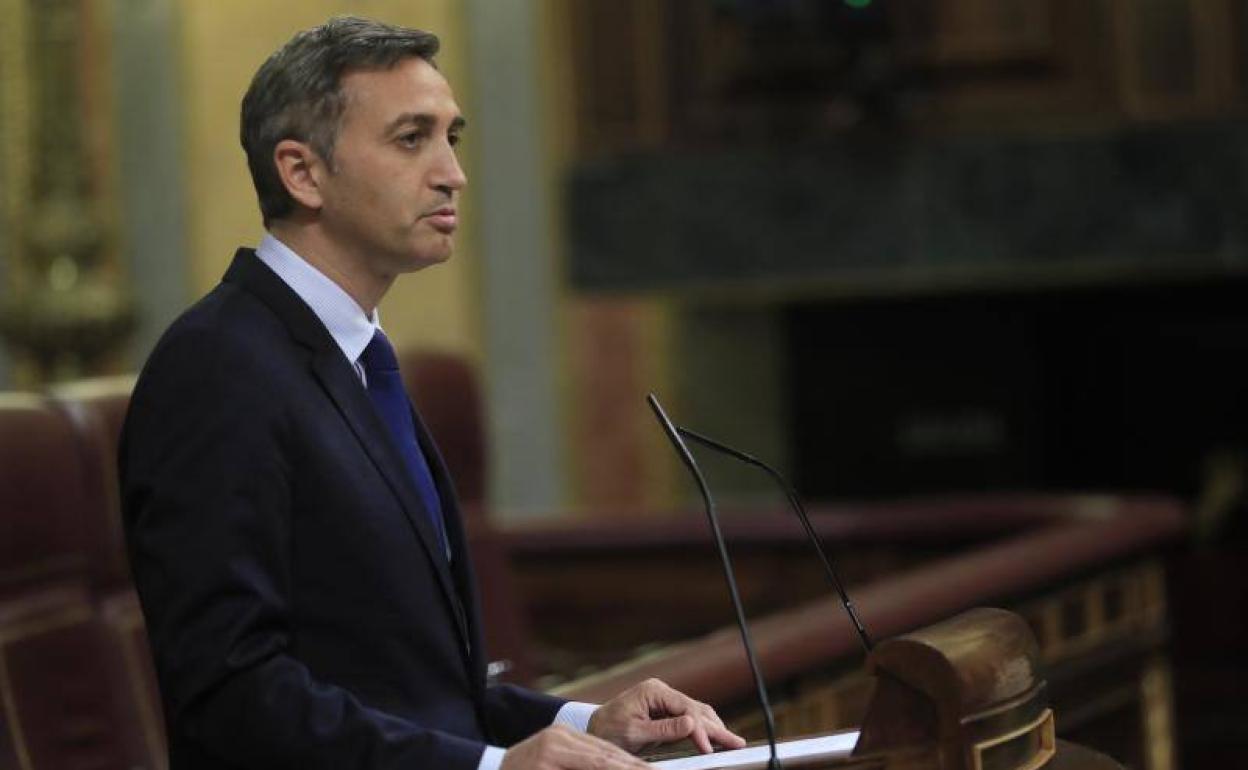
297, 93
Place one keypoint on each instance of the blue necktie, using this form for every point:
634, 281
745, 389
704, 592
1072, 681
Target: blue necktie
385, 389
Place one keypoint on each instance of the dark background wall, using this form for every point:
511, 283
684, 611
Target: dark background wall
1121, 387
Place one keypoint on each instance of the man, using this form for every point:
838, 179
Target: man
293, 534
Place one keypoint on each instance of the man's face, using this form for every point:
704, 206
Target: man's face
390, 198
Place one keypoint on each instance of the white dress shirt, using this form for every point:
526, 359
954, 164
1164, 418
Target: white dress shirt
352, 330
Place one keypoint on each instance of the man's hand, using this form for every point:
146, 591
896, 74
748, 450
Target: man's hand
559, 747
652, 713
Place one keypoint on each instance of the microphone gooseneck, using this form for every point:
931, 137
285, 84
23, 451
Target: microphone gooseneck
686, 456
796, 504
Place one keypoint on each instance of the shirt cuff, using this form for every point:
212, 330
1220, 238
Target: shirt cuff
491, 758
575, 714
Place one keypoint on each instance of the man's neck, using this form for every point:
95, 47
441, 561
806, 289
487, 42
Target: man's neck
344, 269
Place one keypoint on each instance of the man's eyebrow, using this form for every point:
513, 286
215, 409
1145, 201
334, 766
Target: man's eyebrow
424, 121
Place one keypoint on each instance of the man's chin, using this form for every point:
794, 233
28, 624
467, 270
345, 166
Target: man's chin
428, 258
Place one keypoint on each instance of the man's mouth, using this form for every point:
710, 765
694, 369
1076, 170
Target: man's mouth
443, 219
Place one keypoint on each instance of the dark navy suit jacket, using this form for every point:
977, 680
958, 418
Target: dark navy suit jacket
301, 611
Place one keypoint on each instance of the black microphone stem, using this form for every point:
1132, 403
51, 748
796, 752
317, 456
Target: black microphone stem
687, 457
800, 510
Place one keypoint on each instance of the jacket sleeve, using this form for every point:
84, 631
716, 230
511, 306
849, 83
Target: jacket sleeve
515, 713
206, 499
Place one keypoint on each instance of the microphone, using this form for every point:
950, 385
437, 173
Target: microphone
687, 457
796, 504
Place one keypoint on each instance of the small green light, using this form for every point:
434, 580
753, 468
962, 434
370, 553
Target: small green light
857, 3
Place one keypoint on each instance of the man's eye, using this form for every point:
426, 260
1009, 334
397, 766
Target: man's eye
453, 139
411, 138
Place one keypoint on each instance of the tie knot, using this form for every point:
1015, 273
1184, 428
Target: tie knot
379, 355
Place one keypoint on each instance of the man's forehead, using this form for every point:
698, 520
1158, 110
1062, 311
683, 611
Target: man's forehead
411, 87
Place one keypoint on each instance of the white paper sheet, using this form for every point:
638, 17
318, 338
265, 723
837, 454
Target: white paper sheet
840, 744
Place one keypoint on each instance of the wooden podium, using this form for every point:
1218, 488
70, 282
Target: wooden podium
964, 694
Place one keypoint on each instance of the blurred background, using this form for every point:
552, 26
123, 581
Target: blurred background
937, 252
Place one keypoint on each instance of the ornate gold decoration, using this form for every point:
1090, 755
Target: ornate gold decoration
63, 312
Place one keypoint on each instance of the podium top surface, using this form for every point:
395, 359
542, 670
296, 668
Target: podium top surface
831, 751
979, 659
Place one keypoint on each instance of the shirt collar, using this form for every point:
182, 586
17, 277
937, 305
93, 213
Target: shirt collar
351, 328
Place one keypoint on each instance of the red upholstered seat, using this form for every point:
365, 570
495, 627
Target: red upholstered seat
43, 502
79, 687
62, 708
133, 675
95, 409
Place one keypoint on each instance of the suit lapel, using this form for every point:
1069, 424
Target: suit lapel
345, 389
352, 401
462, 572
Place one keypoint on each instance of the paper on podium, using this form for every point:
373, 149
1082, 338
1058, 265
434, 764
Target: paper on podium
826, 746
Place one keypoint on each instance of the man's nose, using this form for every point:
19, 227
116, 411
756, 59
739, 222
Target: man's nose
448, 176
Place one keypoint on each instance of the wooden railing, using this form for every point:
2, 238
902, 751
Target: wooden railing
1085, 572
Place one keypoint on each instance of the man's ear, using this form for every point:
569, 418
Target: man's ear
301, 170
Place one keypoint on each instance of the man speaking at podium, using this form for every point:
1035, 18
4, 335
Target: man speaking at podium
293, 533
